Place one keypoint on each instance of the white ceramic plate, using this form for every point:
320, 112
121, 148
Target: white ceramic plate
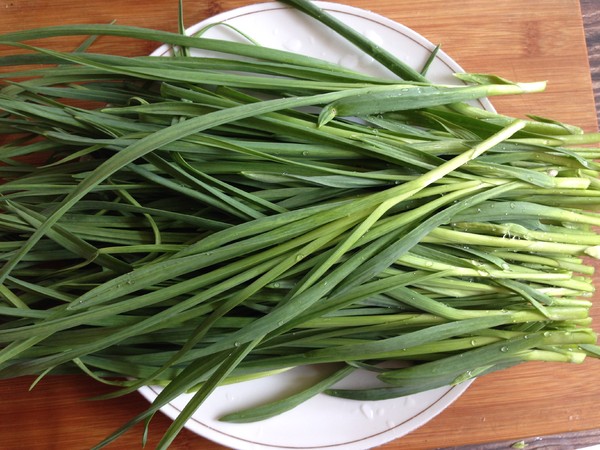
323, 423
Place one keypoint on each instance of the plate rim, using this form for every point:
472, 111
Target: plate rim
451, 394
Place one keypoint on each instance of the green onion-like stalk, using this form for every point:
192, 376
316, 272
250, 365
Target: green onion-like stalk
192, 221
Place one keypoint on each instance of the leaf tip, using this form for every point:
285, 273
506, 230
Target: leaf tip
327, 115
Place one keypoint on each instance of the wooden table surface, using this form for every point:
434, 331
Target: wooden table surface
547, 405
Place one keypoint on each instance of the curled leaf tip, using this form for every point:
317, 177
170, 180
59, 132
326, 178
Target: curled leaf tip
327, 115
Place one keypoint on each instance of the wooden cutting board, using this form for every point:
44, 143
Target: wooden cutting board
543, 40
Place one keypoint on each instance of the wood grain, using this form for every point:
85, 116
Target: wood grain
545, 41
